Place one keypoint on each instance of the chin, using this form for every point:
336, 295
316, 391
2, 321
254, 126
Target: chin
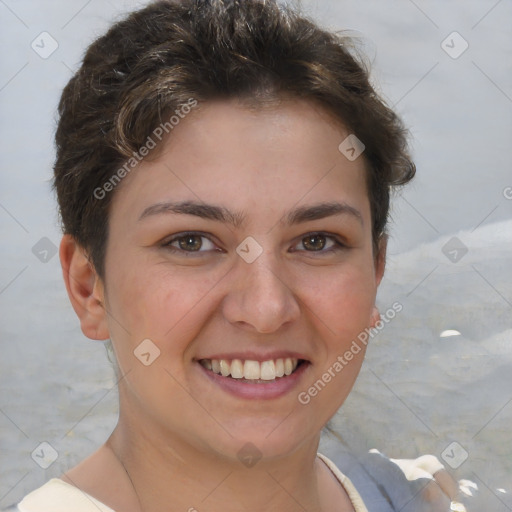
262, 440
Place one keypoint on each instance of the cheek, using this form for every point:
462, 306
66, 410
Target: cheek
342, 301
167, 307
340, 307
161, 304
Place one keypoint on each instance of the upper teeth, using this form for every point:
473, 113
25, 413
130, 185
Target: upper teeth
253, 370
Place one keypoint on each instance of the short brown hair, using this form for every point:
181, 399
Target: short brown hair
159, 57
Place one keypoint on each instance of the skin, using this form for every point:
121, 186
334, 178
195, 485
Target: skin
178, 435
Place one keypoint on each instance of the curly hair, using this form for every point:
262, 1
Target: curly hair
156, 59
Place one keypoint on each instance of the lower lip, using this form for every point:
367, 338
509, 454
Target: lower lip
257, 391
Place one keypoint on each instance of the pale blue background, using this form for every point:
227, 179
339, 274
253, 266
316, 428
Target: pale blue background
417, 392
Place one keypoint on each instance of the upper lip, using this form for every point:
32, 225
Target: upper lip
256, 356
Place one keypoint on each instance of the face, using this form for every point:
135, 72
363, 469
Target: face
247, 243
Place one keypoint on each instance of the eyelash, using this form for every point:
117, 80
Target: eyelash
338, 245
167, 244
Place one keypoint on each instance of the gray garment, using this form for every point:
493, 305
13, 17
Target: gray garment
380, 482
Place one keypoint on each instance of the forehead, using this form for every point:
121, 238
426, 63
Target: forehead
269, 157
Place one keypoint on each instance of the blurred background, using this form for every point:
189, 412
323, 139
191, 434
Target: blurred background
437, 378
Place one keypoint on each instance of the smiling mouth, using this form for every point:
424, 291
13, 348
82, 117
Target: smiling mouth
253, 371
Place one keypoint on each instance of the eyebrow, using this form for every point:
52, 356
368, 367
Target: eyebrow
321, 211
202, 210
236, 219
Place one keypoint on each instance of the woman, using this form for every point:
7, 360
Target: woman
223, 175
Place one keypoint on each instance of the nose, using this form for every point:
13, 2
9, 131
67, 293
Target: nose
260, 297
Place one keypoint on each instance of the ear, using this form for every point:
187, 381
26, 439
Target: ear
380, 258
380, 265
85, 289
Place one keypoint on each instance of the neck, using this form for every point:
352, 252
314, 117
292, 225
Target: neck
168, 472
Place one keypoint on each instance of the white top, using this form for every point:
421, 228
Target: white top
59, 496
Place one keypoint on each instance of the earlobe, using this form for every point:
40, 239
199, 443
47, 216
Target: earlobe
375, 317
85, 289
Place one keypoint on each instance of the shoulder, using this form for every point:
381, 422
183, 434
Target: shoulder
59, 496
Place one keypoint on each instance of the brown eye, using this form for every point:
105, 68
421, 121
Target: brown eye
322, 243
314, 242
190, 242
